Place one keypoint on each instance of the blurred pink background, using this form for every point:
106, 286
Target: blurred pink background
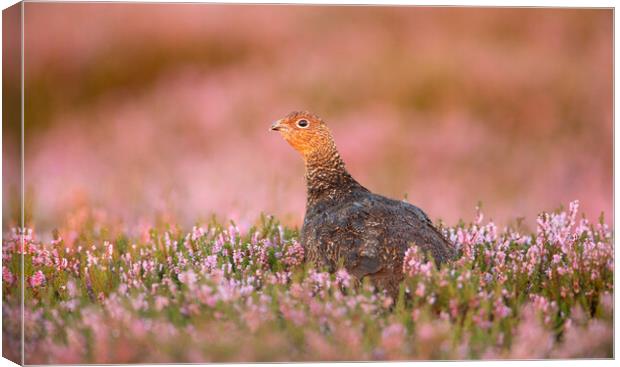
144, 110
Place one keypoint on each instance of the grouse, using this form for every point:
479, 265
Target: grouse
346, 224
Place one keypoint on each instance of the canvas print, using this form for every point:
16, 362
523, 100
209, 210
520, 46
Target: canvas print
298, 183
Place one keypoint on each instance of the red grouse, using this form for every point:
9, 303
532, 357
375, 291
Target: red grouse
347, 224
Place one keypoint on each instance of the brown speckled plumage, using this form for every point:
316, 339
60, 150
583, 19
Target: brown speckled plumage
345, 223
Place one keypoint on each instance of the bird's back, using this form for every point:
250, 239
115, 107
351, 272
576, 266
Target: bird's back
369, 234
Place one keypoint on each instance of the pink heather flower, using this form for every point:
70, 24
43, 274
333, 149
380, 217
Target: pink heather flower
296, 290
481, 320
420, 290
319, 280
238, 256
254, 239
490, 232
387, 302
41, 257
227, 268
479, 215
233, 233
28, 234
543, 305
188, 278
7, 276
139, 303
573, 208
209, 264
454, 308
197, 232
122, 289
500, 309
278, 278
393, 336
343, 278
531, 340
534, 256
109, 249
56, 241
253, 318
207, 296
294, 255
296, 316
413, 264
218, 244
594, 275
500, 257
161, 302
37, 279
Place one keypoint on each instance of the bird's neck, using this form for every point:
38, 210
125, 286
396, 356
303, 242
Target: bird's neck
326, 177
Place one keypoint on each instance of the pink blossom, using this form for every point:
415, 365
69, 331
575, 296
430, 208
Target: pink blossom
343, 278
414, 264
393, 336
500, 309
294, 255
188, 278
7, 276
420, 290
37, 279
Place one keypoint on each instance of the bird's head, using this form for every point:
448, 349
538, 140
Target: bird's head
305, 132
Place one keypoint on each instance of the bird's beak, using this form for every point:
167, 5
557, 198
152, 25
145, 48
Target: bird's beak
276, 126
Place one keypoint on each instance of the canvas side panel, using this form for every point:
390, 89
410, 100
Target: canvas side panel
11, 182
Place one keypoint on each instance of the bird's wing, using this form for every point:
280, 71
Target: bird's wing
357, 225
440, 247
391, 227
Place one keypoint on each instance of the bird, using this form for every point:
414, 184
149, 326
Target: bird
346, 224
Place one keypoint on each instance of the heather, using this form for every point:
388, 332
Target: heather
99, 292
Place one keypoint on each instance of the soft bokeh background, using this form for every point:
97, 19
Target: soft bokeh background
147, 110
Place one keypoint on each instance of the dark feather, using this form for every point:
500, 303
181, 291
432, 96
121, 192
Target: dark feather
371, 233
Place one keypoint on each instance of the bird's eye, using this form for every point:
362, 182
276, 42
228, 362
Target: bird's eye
303, 123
